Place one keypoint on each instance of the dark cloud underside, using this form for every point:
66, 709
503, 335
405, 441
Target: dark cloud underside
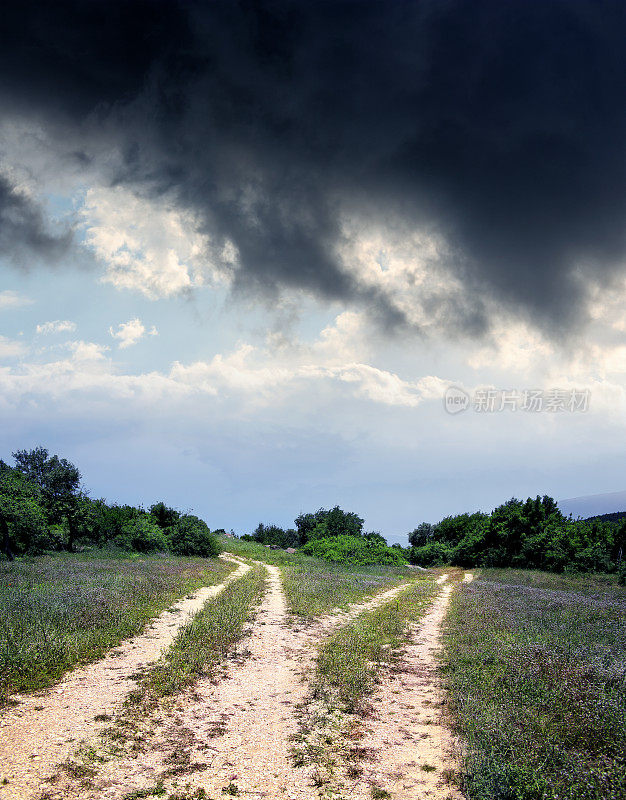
24, 234
500, 125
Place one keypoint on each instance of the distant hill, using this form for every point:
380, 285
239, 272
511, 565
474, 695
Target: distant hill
594, 505
614, 516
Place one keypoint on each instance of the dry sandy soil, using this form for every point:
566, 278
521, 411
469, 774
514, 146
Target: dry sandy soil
235, 731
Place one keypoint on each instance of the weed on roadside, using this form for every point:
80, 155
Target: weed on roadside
314, 586
348, 665
535, 666
351, 659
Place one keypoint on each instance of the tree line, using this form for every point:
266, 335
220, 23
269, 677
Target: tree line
530, 534
334, 535
44, 507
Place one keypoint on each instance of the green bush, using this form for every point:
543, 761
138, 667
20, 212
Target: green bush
522, 534
47, 538
190, 536
142, 535
434, 554
274, 535
353, 550
29, 532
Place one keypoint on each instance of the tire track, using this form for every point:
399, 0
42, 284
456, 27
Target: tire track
410, 753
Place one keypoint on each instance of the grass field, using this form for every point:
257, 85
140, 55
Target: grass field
313, 586
61, 610
536, 669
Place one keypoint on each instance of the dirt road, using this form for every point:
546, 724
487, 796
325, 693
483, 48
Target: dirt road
232, 735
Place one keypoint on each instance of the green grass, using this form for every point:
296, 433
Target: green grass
349, 660
314, 586
202, 644
58, 611
535, 666
155, 791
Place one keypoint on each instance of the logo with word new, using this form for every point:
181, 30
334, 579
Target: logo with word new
455, 400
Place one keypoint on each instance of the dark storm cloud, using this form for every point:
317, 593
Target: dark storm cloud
24, 235
498, 125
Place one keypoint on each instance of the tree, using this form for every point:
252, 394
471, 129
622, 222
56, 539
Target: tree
190, 536
142, 535
325, 524
353, 550
421, 535
22, 519
164, 516
375, 537
433, 554
305, 523
59, 482
274, 535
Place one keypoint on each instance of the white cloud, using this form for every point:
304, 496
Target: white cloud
10, 348
149, 245
345, 340
336, 366
129, 333
56, 326
234, 372
513, 346
85, 373
377, 385
87, 351
11, 299
258, 375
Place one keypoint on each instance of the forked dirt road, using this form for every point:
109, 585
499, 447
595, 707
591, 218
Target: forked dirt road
235, 732
233, 735
45, 727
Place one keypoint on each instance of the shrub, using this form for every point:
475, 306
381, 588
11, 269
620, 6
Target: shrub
325, 524
353, 550
192, 537
434, 554
142, 535
29, 532
274, 535
47, 538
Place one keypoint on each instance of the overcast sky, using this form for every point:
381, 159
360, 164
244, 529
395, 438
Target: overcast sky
246, 248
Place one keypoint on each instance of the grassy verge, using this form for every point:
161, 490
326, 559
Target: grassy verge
66, 609
349, 664
202, 644
535, 666
314, 586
